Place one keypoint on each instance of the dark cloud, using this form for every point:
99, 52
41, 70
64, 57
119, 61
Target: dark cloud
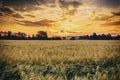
45, 23
29, 15
66, 4
6, 10
29, 5
1, 14
1, 4
116, 13
116, 23
19, 4
9, 12
17, 15
102, 17
108, 3
76, 4
25, 5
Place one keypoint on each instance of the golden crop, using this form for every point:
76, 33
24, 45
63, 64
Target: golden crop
56, 60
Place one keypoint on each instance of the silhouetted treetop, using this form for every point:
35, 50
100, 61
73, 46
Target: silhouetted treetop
42, 35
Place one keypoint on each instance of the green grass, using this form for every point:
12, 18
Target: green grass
60, 60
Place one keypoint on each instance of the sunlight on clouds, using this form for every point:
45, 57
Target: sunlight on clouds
67, 25
75, 17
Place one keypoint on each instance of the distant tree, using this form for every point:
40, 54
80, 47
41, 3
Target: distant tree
109, 37
29, 38
5, 33
23, 35
42, 35
9, 33
72, 38
33, 37
64, 38
117, 37
103, 37
94, 36
19, 34
0, 33
55, 38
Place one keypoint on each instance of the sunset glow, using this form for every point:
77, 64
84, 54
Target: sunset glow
60, 17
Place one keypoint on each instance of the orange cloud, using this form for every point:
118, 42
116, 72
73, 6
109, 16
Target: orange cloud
45, 23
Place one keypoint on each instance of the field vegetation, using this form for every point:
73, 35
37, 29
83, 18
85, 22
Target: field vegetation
60, 60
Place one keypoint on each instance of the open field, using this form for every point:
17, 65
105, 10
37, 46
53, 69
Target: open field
60, 60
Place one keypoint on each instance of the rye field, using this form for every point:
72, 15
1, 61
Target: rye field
60, 60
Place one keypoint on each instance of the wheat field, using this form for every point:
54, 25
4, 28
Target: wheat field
60, 60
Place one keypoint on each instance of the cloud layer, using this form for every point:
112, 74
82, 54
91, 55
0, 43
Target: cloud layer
69, 6
72, 15
109, 3
45, 23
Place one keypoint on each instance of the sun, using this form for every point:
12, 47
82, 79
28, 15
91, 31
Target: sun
67, 25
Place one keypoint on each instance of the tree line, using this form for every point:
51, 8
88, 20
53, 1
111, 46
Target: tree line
42, 35
94, 36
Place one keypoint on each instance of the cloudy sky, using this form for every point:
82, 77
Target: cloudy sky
60, 17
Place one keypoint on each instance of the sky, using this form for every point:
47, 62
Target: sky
61, 17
